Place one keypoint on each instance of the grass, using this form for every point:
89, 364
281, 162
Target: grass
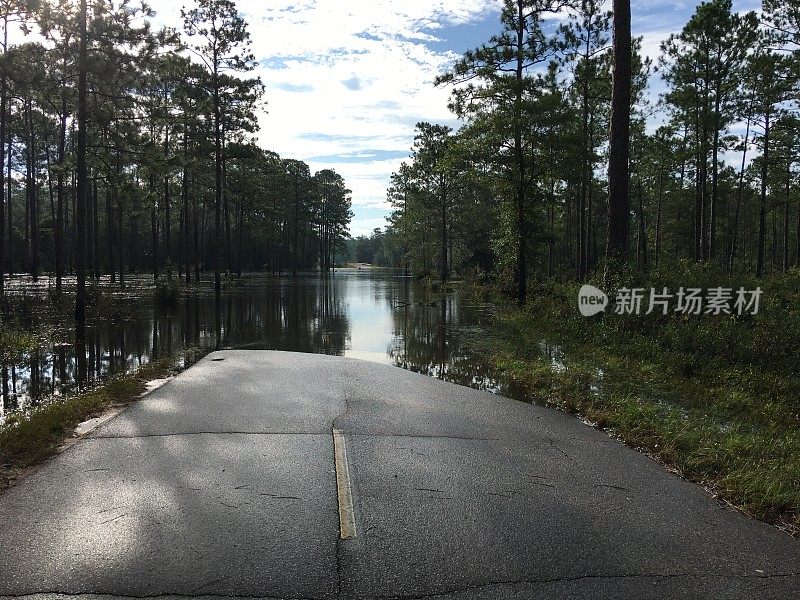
28, 439
717, 398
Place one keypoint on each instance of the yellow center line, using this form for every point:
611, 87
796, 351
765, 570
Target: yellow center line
347, 517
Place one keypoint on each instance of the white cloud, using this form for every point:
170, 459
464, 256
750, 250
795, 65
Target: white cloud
348, 77
365, 226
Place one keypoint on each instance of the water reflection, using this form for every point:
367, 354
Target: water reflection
369, 314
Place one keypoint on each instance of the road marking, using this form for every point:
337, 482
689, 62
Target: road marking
347, 517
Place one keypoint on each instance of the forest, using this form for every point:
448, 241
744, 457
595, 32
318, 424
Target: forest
522, 189
133, 182
129, 150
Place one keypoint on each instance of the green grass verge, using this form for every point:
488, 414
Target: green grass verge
715, 397
28, 439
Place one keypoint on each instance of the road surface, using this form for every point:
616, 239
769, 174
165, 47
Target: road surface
279, 475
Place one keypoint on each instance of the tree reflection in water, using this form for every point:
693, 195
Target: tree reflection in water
375, 314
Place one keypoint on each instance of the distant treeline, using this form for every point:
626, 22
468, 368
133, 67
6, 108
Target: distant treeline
522, 186
375, 248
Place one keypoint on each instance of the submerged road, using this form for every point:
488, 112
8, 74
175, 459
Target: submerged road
279, 475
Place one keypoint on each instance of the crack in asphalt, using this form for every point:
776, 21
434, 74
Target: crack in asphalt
613, 487
424, 436
112, 519
159, 435
257, 433
154, 596
422, 596
525, 581
278, 497
567, 456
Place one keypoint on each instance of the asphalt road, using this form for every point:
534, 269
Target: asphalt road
226, 482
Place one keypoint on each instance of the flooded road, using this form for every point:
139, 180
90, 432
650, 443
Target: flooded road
370, 314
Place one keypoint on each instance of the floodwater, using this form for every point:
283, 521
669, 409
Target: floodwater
371, 314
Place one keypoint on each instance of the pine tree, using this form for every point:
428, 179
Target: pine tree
703, 64
221, 42
773, 79
585, 44
501, 74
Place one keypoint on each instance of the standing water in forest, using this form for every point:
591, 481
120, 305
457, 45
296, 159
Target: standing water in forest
371, 314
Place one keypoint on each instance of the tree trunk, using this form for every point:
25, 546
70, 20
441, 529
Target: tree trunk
583, 243
773, 240
295, 230
185, 203
797, 241
323, 248
551, 222
110, 217
10, 184
121, 243
33, 197
181, 238
182, 216
590, 237
135, 257
154, 234
714, 205
49, 180
167, 216
682, 178
762, 207
740, 191
67, 226
154, 229
642, 237
702, 207
786, 210
522, 274
196, 241
95, 231
443, 266
226, 211
110, 225
239, 232
618, 174
62, 150
658, 216
216, 251
90, 227
3, 118
80, 203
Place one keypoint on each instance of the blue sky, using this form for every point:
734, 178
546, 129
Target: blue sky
347, 80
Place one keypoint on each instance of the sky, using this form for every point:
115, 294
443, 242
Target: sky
347, 80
